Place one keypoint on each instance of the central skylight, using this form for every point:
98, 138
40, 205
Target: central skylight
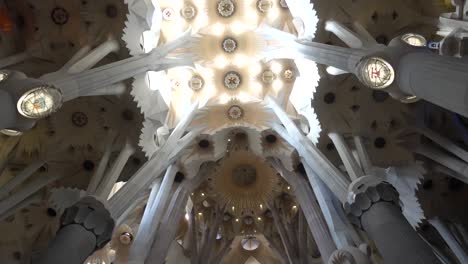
230, 63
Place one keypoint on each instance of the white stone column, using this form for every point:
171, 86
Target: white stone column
460, 167
14, 59
343, 233
99, 173
147, 231
174, 212
352, 167
444, 142
20, 178
363, 155
26, 191
35, 198
169, 227
312, 212
105, 186
289, 249
451, 241
310, 154
349, 37
96, 55
114, 89
80, 54
152, 169
78, 84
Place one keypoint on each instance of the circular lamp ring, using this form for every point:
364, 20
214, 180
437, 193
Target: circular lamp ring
411, 99
11, 132
4, 75
376, 73
414, 40
40, 102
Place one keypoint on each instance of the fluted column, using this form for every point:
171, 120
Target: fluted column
352, 167
451, 241
147, 231
169, 226
155, 166
99, 173
20, 178
14, 59
96, 55
312, 212
105, 186
26, 191
453, 163
310, 154
82, 81
443, 142
341, 58
345, 34
174, 212
342, 231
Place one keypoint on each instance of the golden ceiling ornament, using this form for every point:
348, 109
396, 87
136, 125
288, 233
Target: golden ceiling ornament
226, 8
254, 115
243, 182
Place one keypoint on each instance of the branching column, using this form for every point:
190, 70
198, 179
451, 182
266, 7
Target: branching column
312, 211
174, 212
147, 231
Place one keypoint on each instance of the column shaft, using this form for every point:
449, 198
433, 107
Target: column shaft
314, 216
394, 237
13, 59
441, 80
455, 164
341, 230
105, 187
451, 241
72, 245
147, 232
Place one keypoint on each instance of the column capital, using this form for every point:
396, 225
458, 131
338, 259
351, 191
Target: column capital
93, 216
364, 193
